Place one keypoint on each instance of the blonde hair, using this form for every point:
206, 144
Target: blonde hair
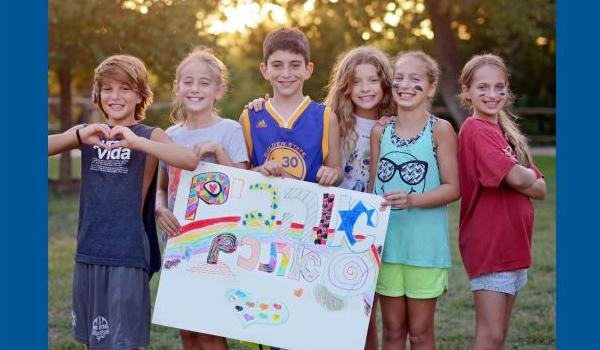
506, 119
340, 87
128, 70
431, 65
215, 65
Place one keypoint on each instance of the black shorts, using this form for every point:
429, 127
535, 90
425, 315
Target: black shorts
111, 306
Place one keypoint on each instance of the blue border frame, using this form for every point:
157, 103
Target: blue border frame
24, 259
23, 294
577, 198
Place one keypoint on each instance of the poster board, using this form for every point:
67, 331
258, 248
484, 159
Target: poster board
275, 261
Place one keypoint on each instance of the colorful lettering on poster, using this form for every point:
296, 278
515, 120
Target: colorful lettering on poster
211, 187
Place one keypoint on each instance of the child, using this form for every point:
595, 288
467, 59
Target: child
414, 167
497, 178
293, 136
117, 247
360, 92
200, 81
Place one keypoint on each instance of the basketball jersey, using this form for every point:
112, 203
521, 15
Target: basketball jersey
299, 144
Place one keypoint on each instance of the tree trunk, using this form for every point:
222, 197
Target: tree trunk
448, 57
64, 76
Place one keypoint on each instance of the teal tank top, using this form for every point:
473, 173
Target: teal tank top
415, 236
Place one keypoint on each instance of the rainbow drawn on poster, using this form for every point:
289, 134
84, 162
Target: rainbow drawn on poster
284, 254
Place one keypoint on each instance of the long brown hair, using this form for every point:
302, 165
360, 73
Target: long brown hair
506, 119
340, 86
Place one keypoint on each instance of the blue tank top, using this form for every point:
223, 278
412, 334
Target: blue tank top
112, 220
300, 144
415, 236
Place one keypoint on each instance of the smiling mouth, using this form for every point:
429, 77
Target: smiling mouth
491, 104
195, 99
368, 97
405, 94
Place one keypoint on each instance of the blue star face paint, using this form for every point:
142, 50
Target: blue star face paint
418, 88
396, 85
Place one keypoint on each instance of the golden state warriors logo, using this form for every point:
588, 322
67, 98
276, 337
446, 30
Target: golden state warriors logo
290, 156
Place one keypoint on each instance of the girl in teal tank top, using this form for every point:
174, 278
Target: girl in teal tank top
414, 167
410, 165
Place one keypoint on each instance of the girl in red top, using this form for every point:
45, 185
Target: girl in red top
498, 180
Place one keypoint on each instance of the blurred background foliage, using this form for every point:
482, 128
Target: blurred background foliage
83, 33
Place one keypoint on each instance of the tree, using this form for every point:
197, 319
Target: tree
448, 56
83, 33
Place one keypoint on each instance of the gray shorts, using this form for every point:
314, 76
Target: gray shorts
509, 282
111, 306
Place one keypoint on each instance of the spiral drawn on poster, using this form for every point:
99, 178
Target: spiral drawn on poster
348, 273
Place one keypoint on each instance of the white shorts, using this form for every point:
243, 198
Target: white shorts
509, 282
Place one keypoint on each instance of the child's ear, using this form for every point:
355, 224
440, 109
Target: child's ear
464, 91
309, 70
220, 91
263, 70
432, 89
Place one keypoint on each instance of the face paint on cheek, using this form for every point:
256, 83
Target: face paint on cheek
396, 85
418, 88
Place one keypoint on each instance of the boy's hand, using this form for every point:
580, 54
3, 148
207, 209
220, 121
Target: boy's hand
327, 176
167, 221
204, 149
90, 134
397, 199
385, 120
258, 103
128, 138
272, 168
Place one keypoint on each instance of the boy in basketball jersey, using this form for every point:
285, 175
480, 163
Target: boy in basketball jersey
292, 136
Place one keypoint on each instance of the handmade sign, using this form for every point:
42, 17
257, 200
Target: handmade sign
276, 261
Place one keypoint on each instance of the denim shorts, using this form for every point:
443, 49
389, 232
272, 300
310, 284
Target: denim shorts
509, 282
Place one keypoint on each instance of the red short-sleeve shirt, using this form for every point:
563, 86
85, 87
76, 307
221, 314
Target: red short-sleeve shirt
496, 221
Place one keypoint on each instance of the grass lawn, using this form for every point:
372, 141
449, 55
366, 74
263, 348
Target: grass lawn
533, 321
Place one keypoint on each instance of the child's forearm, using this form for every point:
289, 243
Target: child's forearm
63, 142
161, 199
222, 157
520, 177
442, 195
536, 191
340, 175
170, 153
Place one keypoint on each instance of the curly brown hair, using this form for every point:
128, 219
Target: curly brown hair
340, 87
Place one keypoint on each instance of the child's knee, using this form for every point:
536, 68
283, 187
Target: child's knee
493, 337
421, 333
394, 330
